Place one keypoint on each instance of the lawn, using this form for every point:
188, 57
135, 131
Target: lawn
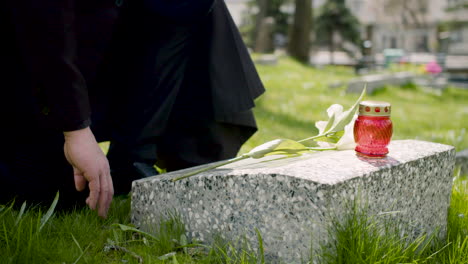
296, 97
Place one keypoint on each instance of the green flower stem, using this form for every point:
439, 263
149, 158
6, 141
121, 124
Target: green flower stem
322, 149
311, 138
214, 166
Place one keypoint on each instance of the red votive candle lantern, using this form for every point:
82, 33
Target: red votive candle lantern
373, 129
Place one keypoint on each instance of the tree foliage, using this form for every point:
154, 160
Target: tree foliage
268, 8
458, 6
336, 18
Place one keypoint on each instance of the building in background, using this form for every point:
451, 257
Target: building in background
414, 31
459, 34
413, 26
237, 8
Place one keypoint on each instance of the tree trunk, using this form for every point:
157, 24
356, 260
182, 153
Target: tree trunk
260, 17
299, 41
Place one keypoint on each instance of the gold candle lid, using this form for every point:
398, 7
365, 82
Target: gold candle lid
374, 108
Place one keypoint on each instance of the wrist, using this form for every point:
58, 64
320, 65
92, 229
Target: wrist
77, 133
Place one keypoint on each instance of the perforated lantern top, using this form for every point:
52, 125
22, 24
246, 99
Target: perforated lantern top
374, 108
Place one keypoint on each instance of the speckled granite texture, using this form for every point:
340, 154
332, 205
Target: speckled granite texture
290, 201
462, 161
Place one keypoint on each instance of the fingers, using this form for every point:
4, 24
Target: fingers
80, 181
101, 190
111, 193
105, 196
94, 190
90, 165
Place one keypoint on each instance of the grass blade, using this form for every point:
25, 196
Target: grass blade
260, 246
174, 260
6, 237
6, 209
184, 243
167, 256
20, 214
50, 212
438, 251
126, 228
125, 250
82, 254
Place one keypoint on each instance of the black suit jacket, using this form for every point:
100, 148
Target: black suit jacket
49, 54
233, 78
179, 10
161, 70
54, 49
190, 84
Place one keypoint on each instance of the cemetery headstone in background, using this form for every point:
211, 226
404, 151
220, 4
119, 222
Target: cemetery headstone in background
377, 81
264, 42
462, 161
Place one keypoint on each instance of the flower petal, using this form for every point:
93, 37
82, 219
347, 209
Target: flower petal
323, 144
321, 125
265, 148
345, 144
336, 109
347, 140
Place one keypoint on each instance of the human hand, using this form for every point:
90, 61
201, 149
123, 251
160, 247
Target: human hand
89, 165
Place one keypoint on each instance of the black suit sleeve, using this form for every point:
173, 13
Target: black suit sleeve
46, 38
179, 10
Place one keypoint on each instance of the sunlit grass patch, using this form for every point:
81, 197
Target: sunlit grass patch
297, 96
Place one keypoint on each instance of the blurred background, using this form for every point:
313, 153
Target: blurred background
366, 34
314, 53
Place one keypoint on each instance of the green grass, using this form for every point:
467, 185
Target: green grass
360, 239
81, 237
296, 97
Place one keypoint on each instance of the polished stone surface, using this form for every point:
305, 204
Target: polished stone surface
292, 201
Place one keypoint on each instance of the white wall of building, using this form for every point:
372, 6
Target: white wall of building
388, 31
237, 8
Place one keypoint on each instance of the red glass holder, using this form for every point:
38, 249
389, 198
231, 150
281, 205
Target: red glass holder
372, 135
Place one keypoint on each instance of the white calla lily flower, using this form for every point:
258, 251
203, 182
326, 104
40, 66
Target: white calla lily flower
335, 109
265, 148
339, 128
321, 125
347, 140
